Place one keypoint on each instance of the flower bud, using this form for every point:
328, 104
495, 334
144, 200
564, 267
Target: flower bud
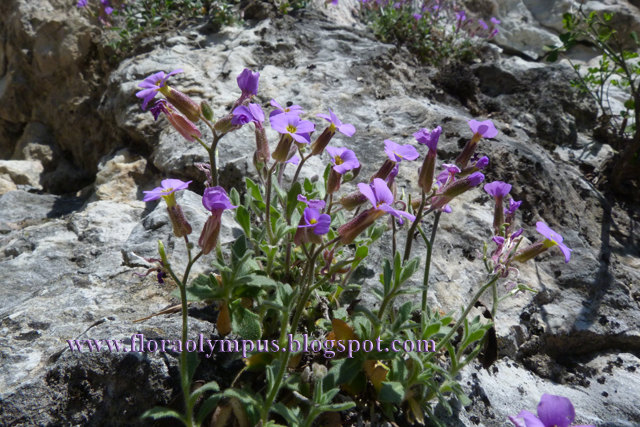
162, 253
182, 102
353, 200
223, 322
224, 125
333, 182
322, 141
181, 226
184, 126
456, 188
384, 170
498, 214
467, 151
352, 229
425, 179
281, 153
207, 112
210, 232
262, 145
530, 252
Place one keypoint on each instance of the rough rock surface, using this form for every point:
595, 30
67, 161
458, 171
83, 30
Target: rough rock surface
67, 262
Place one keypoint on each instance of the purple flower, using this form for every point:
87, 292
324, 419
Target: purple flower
448, 175
107, 7
180, 123
483, 24
553, 239
245, 114
314, 203
82, 3
382, 199
553, 411
153, 84
216, 199
315, 220
167, 187
485, 129
294, 110
398, 153
494, 20
513, 206
343, 159
248, 82
428, 137
497, 188
298, 129
417, 16
346, 128
461, 16
482, 163
294, 160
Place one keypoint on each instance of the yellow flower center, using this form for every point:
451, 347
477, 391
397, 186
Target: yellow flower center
400, 156
291, 129
548, 243
313, 221
338, 160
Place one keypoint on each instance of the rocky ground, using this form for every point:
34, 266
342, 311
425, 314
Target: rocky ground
79, 152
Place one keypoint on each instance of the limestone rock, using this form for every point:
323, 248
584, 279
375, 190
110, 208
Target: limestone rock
116, 178
23, 172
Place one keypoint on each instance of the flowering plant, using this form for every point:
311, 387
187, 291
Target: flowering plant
293, 269
436, 30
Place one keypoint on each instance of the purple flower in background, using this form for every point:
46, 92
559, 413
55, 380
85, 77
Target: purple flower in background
553, 239
343, 159
448, 174
482, 163
245, 114
315, 220
497, 188
294, 160
417, 16
314, 203
107, 7
248, 82
153, 84
484, 129
428, 137
483, 24
553, 411
294, 110
167, 187
398, 153
513, 206
461, 16
382, 199
82, 3
346, 128
494, 20
298, 129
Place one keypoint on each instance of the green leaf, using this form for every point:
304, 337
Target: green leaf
245, 322
254, 190
207, 407
291, 417
239, 247
391, 392
234, 196
292, 198
244, 220
210, 386
409, 268
630, 104
159, 412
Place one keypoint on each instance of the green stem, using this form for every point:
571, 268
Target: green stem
463, 316
294, 325
268, 204
412, 229
427, 264
302, 160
